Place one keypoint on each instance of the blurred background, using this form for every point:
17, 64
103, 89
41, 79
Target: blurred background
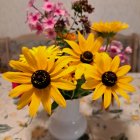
15, 33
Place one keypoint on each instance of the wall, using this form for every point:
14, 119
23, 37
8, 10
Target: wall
13, 14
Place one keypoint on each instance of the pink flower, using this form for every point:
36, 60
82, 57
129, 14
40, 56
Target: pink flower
39, 28
49, 23
114, 49
102, 49
117, 44
123, 58
31, 3
59, 12
50, 33
33, 18
128, 50
48, 6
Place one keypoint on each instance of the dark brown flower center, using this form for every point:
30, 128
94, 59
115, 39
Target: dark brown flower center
86, 57
109, 78
40, 79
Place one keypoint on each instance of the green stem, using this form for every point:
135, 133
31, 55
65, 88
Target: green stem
72, 94
107, 43
74, 19
37, 10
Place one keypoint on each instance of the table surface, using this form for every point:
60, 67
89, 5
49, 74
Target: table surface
112, 125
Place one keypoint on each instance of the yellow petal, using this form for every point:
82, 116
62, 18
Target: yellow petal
46, 100
61, 63
63, 73
98, 63
25, 99
20, 90
123, 70
21, 66
18, 77
71, 52
31, 60
93, 73
97, 44
82, 41
107, 98
34, 105
103, 62
126, 86
99, 91
116, 98
74, 46
90, 84
122, 93
50, 65
63, 84
115, 64
56, 95
41, 58
79, 71
125, 79
106, 62
90, 42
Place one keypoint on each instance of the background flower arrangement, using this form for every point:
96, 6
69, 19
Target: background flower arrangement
75, 65
53, 20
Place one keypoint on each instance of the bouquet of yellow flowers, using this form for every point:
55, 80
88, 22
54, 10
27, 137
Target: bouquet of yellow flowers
74, 66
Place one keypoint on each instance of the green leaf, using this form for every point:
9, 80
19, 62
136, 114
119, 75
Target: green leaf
54, 105
116, 111
77, 93
4, 128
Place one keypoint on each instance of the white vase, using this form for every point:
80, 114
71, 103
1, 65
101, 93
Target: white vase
68, 123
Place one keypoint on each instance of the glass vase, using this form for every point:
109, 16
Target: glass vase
68, 123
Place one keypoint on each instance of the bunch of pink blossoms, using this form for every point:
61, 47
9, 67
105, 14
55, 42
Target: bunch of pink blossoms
117, 48
44, 20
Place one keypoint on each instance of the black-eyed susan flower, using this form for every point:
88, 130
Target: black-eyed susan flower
106, 29
39, 79
51, 51
83, 53
108, 79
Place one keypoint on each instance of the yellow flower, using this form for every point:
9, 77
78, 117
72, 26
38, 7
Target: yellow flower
105, 28
71, 77
39, 79
83, 53
51, 51
108, 79
68, 36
